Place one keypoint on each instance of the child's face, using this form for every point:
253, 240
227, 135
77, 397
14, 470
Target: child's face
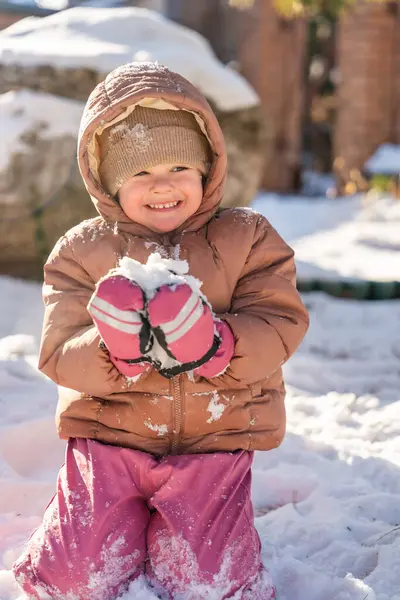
163, 197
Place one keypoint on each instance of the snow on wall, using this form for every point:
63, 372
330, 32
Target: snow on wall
25, 110
102, 39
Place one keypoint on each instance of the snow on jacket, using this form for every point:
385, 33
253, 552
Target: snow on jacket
248, 275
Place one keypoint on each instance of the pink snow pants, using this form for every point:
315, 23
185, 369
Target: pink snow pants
185, 522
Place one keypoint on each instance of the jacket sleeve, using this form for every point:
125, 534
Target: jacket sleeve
70, 352
267, 316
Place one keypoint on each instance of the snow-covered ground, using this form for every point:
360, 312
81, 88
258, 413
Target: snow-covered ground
349, 238
328, 500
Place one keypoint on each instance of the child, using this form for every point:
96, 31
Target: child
157, 473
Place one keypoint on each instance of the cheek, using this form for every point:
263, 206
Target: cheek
194, 191
129, 198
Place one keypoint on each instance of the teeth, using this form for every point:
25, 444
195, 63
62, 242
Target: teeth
161, 206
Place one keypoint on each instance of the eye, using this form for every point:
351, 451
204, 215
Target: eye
142, 173
178, 169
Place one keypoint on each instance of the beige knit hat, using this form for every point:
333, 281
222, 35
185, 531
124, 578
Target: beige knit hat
150, 137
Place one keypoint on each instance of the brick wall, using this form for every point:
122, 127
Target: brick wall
396, 95
368, 59
216, 20
271, 56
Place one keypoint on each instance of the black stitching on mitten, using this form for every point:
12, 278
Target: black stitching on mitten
190, 366
145, 337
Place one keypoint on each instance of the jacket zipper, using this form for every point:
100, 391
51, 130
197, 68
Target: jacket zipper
177, 394
176, 384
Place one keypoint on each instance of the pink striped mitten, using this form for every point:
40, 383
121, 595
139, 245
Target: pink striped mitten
117, 308
183, 325
218, 364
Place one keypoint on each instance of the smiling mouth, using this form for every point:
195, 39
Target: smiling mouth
165, 206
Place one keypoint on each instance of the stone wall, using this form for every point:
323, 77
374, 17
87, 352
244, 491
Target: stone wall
42, 196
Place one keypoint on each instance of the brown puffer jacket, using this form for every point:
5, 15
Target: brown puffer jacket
248, 276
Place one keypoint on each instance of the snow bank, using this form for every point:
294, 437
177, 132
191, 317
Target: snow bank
350, 238
385, 161
102, 39
26, 111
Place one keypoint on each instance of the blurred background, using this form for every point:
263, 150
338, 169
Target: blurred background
307, 93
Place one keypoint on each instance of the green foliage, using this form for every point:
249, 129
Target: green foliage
385, 183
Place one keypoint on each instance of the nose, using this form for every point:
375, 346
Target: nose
161, 184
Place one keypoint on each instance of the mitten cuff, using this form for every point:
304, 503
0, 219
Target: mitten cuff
130, 369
